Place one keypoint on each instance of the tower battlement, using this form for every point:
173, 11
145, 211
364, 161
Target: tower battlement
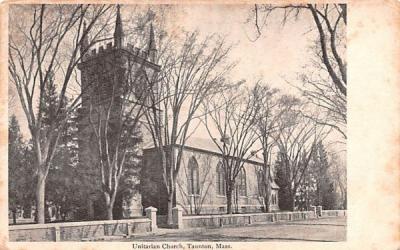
145, 54
109, 47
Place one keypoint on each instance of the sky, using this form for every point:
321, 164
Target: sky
279, 53
277, 56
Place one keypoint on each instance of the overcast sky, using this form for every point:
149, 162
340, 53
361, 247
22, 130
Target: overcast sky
280, 52
276, 57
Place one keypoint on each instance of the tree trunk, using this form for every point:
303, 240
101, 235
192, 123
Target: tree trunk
266, 180
109, 206
236, 200
14, 216
109, 212
40, 198
229, 201
267, 201
292, 201
169, 208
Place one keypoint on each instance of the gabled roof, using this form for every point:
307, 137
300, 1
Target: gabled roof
206, 146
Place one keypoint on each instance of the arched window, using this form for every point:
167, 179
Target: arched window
221, 179
242, 183
261, 183
193, 178
273, 199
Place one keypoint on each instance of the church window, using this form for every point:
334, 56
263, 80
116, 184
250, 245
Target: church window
260, 182
193, 178
242, 183
221, 179
273, 199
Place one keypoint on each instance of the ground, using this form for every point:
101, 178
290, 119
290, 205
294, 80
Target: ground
325, 229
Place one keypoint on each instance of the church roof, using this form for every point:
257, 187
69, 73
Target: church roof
207, 146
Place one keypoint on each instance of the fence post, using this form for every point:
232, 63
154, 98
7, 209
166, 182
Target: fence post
314, 209
129, 229
177, 217
57, 233
319, 211
151, 213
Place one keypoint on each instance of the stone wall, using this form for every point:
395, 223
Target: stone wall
333, 213
247, 219
78, 231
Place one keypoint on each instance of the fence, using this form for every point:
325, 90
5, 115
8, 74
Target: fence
246, 219
333, 213
85, 230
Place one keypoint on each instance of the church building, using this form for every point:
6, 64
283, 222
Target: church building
201, 185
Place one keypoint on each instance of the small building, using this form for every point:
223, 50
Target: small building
200, 184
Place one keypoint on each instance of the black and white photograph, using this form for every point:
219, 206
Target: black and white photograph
153, 123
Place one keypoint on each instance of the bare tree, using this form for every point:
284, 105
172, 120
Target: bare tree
230, 123
266, 124
329, 19
204, 182
326, 99
189, 75
326, 85
296, 142
48, 45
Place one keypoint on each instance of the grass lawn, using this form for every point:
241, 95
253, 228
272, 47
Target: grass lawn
326, 229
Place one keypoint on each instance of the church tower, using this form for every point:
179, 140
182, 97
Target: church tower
104, 72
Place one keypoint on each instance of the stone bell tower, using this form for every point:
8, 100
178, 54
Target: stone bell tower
97, 87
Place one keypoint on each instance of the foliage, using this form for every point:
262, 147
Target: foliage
20, 174
282, 177
129, 182
318, 186
45, 46
63, 184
